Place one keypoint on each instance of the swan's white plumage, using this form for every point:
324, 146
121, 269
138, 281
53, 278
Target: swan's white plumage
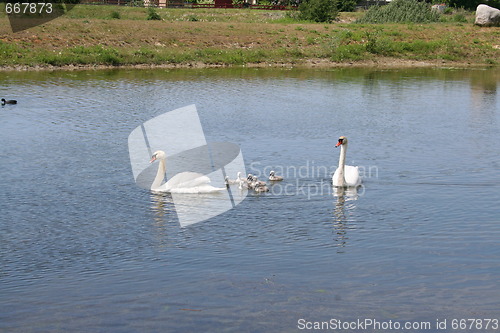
345, 175
274, 178
351, 175
184, 182
234, 182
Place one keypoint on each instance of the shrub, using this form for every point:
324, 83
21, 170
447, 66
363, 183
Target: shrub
136, 3
153, 15
115, 15
401, 11
318, 10
459, 17
346, 5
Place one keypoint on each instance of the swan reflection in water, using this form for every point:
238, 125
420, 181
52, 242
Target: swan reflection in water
342, 214
187, 209
163, 208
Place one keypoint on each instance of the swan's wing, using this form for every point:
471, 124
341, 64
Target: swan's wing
191, 182
351, 175
335, 178
187, 179
198, 189
200, 181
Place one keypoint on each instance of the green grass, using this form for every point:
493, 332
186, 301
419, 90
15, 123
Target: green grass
401, 11
93, 35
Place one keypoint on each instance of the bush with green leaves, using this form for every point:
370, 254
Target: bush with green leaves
401, 11
153, 15
347, 5
115, 15
318, 10
136, 3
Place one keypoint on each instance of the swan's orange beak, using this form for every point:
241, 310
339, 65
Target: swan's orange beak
338, 143
153, 158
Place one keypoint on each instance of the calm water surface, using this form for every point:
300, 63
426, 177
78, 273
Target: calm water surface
82, 248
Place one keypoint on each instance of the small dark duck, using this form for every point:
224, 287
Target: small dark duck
9, 101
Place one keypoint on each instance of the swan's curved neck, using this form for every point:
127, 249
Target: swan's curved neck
343, 149
160, 174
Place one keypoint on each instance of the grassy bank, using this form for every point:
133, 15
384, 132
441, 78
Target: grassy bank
110, 35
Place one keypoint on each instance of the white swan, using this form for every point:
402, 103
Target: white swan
249, 181
261, 188
254, 182
228, 181
345, 175
258, 182
243, 184
184, 182
239, 178
274, 178
234, 182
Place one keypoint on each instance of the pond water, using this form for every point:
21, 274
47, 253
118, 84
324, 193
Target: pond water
83, 248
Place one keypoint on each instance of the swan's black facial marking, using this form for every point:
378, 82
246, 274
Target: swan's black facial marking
341, 141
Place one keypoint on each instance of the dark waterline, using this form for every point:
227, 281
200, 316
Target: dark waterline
84, 249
